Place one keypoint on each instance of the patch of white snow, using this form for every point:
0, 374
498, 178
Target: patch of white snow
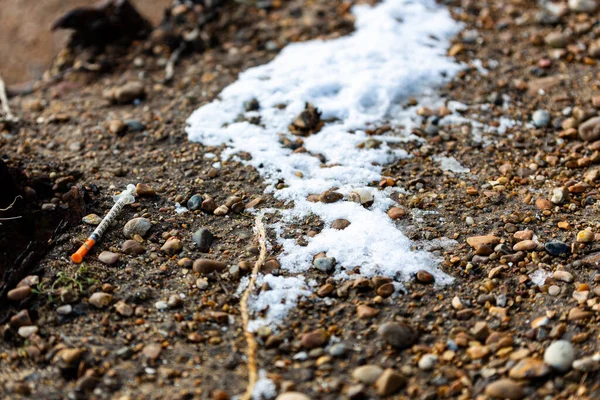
398, 51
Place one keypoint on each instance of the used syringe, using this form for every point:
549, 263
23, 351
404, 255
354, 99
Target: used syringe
121, 200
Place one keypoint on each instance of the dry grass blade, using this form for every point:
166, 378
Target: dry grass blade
250, 341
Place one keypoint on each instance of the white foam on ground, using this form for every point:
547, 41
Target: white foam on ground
398, 51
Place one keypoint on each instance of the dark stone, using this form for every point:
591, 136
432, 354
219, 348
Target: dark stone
203, 239
557, 248
135, 125
251, 105
195, 202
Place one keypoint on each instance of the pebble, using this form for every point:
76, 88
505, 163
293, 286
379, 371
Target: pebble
221, 210
586, 6
152, 351
588, 364
559, 196
26, 331
143, 190
541, 118
251, 105
314, 339
525, 245
340, 224
362, 196
523, 235
389, 382
48, 207
396, 213
366, 312
292, 396
206, 266
136, 226
560, 355
590, 130
558, 40
108, 257
91, 219
324, 264
505, 389
488, 240
174, 301
562, 275
19, 293
172, 246
116, 126
585, 236
339, 350
529, 368
576, 314
424, 277
367, 374
132, 247
127, 93
100, 299
20, 319
64, 310
134, 125
398, 334
428, 361
557, 248
161, 305
70, 357
203, 239
543, 204
124, 309
195, 202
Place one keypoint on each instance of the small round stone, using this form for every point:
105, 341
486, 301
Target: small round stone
424, 277
339, 350
340, 224
398, 334
203, 239
92, 219
367, 374
108, 257
541, 118
428, 361
292, 396
206, 266
505, 389
136, 226
161, 305
195, 202
324, 264
26, 331
132, 247
19, 293
172, 246
100, 299
560, 355
557, 248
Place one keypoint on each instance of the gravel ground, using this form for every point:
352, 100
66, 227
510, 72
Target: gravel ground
519, 321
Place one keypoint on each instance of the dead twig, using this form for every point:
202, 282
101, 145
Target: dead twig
251, 342
9, 207
4, 101
11, 204
170, 68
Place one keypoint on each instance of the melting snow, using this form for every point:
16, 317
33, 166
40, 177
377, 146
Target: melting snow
451, 164
398, 51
